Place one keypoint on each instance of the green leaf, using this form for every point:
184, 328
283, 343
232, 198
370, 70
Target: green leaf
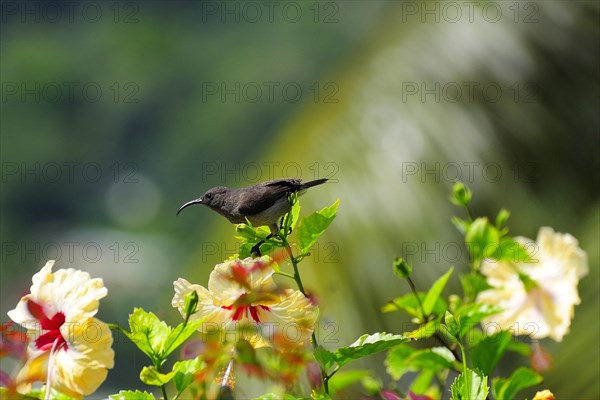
179, 335
191, 302
461, 195
422, 382
473, 284
510, 250
147, 332
367, 345
482, 239
324, 357
409, 304
314, 225
470, 315
250, 237
502, 217
403, 358
486, 354
185, 372
461, 224
519, 347
469, 386
151, 376
424, 331
314, 395
452, 325
131, 395
401, 268
343, 379
522, 378
292, 217
434, 293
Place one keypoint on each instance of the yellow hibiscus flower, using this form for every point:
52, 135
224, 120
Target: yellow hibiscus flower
243, 302
70, 350
538, 297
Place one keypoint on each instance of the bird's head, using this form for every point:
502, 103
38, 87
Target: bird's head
213, 198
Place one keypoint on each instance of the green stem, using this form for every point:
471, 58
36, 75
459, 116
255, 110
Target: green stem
286, 275
163, 388
469, 213
326, 378
464, 357
298, 279
416, 294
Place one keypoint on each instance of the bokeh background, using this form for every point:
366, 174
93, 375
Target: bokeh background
115, 113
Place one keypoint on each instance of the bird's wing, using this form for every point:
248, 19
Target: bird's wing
250, 204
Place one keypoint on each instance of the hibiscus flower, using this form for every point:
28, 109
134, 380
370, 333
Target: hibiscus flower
538, 297
243, 302
69, 350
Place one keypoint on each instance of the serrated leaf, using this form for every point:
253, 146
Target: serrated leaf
367, 345
150, 376
314, 225
132, 395
486, 354
185, 372
522, 378
434, 293
343, 379
324, 357
469, 386
147, 332
482, 239
402, 359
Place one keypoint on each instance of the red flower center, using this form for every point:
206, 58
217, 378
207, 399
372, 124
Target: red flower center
245, 310
46, 341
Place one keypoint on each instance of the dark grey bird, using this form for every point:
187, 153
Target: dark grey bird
261, 204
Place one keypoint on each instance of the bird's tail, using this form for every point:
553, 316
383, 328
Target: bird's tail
310, 184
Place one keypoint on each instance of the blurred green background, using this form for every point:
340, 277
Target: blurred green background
115, 113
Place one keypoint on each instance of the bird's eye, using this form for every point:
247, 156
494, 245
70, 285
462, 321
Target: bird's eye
208, 196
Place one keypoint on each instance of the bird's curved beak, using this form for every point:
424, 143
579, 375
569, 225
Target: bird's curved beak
189, 203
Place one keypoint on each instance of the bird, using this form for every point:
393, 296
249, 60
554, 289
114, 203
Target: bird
261, 204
